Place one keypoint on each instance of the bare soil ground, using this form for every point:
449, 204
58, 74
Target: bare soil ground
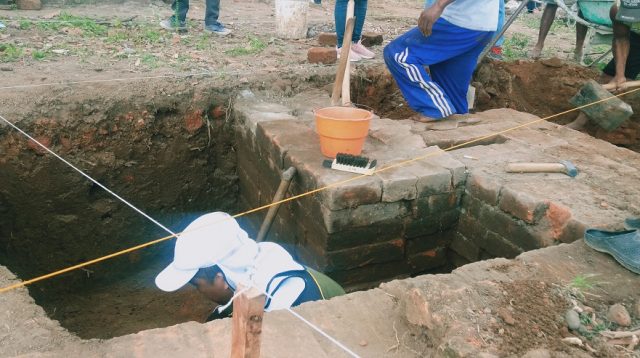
106, 42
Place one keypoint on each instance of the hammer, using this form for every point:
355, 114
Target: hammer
608, 114
564, 166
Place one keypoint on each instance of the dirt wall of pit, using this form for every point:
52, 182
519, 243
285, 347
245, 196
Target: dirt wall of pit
166, 148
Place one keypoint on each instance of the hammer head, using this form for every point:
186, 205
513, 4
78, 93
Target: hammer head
607, 114
572, 170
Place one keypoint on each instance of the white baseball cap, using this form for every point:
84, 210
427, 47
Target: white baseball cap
204, 243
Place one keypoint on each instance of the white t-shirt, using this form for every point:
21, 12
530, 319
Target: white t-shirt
478, 15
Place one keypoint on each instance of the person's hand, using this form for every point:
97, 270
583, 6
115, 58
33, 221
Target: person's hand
428, 17
619, 84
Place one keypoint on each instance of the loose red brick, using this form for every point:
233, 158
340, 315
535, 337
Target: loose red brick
323, 55
327, 39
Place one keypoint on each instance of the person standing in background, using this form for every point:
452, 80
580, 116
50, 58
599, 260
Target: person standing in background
178, 21
358, 51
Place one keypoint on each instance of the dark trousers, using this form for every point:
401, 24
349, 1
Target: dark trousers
632, 68
181, 7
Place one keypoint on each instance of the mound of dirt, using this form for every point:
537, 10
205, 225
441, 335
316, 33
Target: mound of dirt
542, 87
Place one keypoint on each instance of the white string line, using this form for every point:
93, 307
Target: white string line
323, 333
187, 75
88, 177
314, 327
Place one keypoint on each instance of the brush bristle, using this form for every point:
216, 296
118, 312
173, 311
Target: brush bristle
352, 160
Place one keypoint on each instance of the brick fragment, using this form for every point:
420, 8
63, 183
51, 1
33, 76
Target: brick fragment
193, 121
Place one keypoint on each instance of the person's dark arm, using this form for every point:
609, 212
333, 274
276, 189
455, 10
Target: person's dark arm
620, 46
430, 15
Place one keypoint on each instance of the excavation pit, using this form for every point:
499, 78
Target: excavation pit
179, 153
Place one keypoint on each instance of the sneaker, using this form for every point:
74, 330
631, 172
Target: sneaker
495, 53
364, 52
217, 29
316, 2
2, 26
171, 25
353, 56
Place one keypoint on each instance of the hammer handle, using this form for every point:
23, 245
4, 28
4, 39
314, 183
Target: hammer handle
628, 85
536, 168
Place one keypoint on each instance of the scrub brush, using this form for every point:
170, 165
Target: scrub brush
351, 163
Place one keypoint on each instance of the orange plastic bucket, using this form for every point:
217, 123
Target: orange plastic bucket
342, 129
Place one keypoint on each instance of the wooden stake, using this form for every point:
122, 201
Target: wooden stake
246, 330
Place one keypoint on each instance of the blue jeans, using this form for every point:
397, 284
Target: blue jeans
360, 12
181, 7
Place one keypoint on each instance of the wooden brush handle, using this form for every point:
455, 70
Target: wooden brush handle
344, 62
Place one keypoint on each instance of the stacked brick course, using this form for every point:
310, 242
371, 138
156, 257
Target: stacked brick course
394, 223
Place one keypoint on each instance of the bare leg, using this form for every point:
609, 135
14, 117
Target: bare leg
579, 122
581, 35
548, 15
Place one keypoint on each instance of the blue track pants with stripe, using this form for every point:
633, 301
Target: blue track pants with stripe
450, 53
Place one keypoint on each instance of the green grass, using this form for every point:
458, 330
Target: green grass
39, 55
149, 60
203, 42
25, 24
151, 36
581, 282
515, 47
87, 25
10, 53
117, 37
590, 329
254, 46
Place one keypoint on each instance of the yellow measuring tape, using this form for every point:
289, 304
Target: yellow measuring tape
295, 197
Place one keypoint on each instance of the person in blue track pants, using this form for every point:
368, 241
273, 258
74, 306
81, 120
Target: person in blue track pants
449, 37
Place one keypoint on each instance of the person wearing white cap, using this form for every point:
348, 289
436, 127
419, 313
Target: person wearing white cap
216, 255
